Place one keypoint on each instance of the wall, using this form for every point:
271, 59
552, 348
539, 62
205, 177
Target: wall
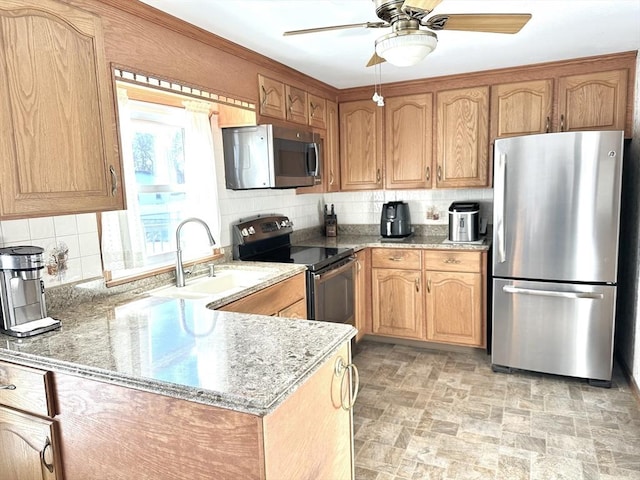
78, 232
628, 322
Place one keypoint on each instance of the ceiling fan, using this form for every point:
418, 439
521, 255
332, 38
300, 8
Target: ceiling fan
408, 43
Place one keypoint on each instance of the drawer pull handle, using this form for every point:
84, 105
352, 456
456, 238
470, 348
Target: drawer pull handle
43, 452
395, 259
452, 260
347, 371
11, 386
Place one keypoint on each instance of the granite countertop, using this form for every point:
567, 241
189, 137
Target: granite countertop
181, 348
361, 241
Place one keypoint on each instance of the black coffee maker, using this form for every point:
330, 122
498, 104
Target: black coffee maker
395, 220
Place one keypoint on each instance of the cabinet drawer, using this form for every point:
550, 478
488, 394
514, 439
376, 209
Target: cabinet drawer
28, 389
403, 258
453, 260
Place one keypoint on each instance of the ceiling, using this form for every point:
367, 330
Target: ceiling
558, 30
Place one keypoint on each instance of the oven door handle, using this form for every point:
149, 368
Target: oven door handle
333, 272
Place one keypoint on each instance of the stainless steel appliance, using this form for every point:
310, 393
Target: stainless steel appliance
330, 271
269, 156
23, 311
555, 259
395, 220
464, 223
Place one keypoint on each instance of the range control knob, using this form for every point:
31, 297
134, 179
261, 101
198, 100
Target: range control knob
244, 232
284, 223
252, 230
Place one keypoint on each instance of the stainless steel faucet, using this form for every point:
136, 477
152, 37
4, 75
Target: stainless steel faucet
179, 268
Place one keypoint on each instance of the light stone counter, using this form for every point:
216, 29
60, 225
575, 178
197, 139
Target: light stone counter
359, 242
181, 348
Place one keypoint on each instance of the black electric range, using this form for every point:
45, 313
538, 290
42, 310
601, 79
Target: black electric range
330, 271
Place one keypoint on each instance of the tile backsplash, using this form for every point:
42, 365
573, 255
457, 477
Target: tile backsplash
70, 242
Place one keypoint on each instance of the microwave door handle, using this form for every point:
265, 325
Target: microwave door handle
313, 170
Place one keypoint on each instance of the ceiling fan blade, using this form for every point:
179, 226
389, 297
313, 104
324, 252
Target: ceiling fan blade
337, 27
493, 23
420, 5
375, 60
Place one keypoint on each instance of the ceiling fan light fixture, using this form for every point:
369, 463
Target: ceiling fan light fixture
406, 48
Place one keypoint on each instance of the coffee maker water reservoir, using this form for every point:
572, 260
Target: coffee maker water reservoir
22, 305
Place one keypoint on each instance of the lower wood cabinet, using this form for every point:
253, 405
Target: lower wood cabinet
431, 295
29, 447
119, 433
284, 299
398, 301
455, 297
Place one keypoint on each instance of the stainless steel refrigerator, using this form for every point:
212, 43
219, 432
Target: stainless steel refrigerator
555, 253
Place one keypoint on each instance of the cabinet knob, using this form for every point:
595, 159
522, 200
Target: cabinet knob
347, 370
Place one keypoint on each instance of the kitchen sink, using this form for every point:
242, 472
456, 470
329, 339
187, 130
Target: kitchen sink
225, 282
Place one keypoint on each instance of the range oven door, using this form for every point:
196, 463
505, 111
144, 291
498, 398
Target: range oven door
330, 295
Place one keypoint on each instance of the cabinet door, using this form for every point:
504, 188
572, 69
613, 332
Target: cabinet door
332, 149
58, 152
454, 308
27, 447
595, 101
360, 146
310, 436
397, 303
408, 123
272, 99
296, 101
522, 108
462, 141
317, 107
295, 310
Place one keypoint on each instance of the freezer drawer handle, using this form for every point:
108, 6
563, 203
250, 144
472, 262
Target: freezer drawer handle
552, 293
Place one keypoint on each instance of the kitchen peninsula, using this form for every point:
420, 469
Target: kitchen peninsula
166, 388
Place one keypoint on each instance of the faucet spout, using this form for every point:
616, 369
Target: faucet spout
180, 273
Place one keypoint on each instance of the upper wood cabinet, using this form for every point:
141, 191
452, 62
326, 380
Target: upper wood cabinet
296, 101
58, 148
408, 142
272, 99
360, 145
317, 107
522, 108
594, 101
462, 138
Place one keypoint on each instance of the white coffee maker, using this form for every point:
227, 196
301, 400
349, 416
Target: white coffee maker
23, 311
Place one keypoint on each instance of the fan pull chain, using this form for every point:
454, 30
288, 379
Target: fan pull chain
377, 83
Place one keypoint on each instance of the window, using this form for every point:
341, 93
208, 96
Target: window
169, 176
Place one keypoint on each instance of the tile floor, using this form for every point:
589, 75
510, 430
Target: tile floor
427, 414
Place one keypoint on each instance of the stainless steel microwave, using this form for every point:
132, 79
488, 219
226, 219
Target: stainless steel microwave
269, 156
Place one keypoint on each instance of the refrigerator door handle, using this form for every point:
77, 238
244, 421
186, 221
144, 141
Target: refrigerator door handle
552, 293
500, 186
